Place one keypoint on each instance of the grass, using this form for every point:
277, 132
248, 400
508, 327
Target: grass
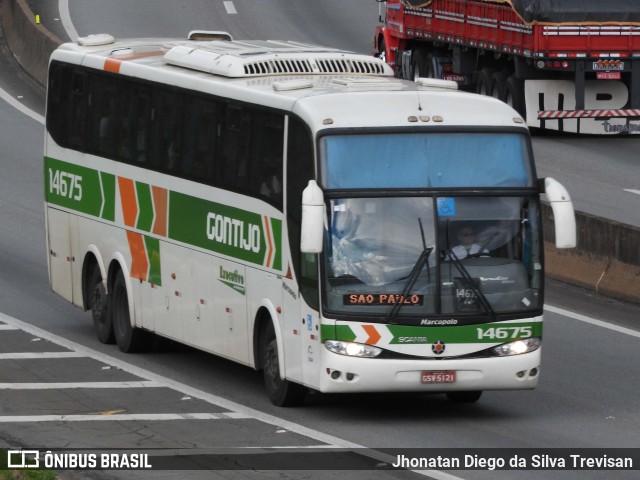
26, 474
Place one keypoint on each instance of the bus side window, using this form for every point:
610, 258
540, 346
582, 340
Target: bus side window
169, 131
267, 146
105, 116
59, 125
300, 169
136, 124
235, 149
78, 112
202, 123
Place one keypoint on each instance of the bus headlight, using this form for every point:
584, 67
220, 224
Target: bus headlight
352, 349
518, 347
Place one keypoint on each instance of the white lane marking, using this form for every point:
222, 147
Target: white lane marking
8, 327
37, 355
121, 417
233, 407
592, 321
65, 385
65, 18
20, 107
230, 8
631, 190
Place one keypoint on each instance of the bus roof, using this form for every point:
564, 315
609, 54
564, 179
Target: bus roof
308, 80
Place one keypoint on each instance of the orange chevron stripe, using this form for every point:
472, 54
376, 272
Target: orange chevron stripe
139, 262
374, 336
160, 209
128, 200
269, 242
112, 65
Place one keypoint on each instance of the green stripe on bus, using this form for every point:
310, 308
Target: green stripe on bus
153, 253
276, 226
145, 207
108, 182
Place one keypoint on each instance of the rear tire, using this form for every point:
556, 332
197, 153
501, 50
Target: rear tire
499, 86
99, 306
485, 77
282, 393
515, 95
420, 67
464, 397
128, 338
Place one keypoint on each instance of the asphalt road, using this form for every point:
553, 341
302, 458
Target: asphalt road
588, 393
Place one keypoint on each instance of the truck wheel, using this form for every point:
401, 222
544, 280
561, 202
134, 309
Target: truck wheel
420, 67
282, 393
464, 397
382, 50
515, 95
485, 77
128, 338
499, 86
99, 306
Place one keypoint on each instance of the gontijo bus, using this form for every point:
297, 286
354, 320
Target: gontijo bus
298, 210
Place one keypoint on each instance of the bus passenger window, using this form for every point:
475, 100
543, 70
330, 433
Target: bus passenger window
169, 131
78, 120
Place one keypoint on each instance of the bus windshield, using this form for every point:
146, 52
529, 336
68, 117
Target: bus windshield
482, 256
426, 160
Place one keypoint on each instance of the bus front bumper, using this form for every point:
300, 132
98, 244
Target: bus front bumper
342, 374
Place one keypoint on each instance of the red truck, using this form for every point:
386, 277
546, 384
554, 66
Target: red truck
570, 65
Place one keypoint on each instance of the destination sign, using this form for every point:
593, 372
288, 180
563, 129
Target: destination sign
382, 299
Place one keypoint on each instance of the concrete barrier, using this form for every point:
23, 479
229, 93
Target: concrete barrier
607, 259
30, 43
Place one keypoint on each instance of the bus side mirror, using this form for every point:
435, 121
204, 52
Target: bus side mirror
563, 214
312, 232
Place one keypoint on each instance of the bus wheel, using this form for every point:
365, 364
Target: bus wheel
282, 393
128, 338
99, 306
464, 397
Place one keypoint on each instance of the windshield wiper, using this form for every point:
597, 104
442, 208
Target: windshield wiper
423, 260
468, 280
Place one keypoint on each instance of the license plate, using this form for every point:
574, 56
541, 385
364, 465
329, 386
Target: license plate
608, 75
443, 376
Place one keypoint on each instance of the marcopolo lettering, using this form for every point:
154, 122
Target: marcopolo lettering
233, 232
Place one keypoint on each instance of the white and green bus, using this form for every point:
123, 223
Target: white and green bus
299, 210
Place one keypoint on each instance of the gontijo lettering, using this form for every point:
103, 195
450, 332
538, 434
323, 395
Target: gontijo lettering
233, 232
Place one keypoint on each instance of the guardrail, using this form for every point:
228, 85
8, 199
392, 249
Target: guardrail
607, 259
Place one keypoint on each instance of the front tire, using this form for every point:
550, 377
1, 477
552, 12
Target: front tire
128, 338
282, 393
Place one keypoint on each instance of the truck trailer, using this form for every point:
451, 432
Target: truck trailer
571, 65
